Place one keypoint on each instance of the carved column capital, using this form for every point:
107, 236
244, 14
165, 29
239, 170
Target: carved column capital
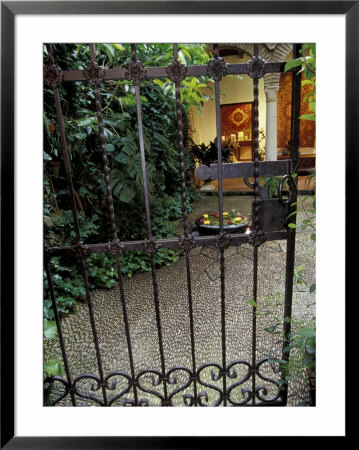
271, 93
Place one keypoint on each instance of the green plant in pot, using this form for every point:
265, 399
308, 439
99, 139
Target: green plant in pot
208, 154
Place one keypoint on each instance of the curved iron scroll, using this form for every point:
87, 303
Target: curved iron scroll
180, 382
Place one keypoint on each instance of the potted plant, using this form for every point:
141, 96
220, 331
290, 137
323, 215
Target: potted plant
208, 154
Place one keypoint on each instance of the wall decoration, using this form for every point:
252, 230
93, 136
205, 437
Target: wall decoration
235, 118
307, 128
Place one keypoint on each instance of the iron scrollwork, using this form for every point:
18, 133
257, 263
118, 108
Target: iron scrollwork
292, 187
53, 75
256, 67
136, 71
94, 74
187, 243
80, 250
115, 247
222, 241
48, 389
257, 238
217, 68
261, 391
150, 246
151, 382
176, 71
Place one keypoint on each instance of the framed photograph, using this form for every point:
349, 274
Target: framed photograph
27, 28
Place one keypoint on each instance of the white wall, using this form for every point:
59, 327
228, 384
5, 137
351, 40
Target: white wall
234, 89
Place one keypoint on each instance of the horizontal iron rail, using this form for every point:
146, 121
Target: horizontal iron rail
244, 169
236, 239
160, 72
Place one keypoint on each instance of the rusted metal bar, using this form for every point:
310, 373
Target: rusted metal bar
218, 69
136, 73
177, 73
80, 250
115, 247
59, 329
255, 232
244, 169
160, 72
294, 153
204, 241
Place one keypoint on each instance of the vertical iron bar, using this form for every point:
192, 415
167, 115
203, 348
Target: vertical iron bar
111, 210
219, 146
294, 152
59, 330
76, 225
185, 220
149, 229
65, 151
220, 207
255, 226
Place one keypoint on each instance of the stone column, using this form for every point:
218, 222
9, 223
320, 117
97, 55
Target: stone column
271, 122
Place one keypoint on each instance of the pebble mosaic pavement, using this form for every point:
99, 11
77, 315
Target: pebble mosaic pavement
206, 305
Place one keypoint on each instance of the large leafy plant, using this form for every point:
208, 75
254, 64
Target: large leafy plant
122, 145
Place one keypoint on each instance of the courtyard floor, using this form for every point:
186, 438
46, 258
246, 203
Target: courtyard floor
172, 282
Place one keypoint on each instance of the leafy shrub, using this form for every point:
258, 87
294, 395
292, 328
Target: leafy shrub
160, 134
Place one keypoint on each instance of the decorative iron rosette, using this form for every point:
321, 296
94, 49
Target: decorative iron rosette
53, 75
176, 71
256, 238
222, 241
150, 246
217, 68
255, 67
80, 250
115, 247
136, 71
94, 74
187, 243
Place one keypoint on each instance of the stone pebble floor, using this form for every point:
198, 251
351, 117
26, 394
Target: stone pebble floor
205, 276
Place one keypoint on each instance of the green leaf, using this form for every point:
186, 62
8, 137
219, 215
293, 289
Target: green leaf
86, 121
50, 329
53, 367
312, 288
292, 214
293, 63
118, 47
272, 328
313, 237
308, 117
110, 147
292, 225
252, 302
127, 194
307, 332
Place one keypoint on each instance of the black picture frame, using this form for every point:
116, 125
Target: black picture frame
9, 10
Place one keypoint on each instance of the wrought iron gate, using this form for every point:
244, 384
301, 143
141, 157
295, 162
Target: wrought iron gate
235, 383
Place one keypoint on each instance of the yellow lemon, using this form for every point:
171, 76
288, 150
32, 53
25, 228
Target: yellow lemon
205, 216
206, 222
225, 214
